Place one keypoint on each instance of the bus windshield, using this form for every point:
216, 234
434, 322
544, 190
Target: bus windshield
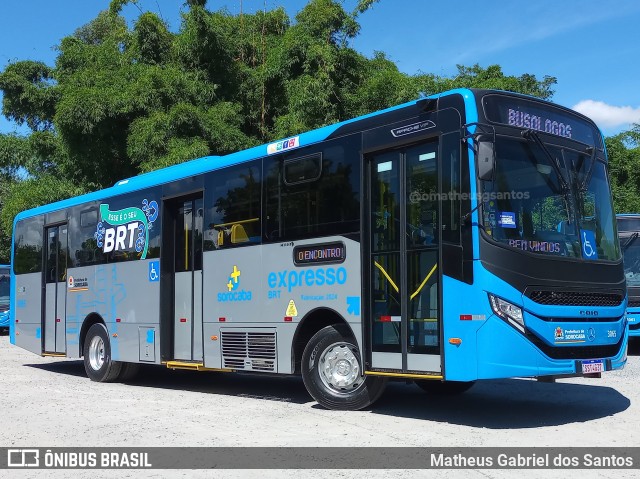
4, 289
554, 202
630, 245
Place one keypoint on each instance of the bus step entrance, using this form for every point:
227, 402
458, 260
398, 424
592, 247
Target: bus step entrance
191, 366
194, 366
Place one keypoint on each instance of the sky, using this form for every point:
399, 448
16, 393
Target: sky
592, 47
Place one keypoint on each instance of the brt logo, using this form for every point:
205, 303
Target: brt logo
122, 237
126, 229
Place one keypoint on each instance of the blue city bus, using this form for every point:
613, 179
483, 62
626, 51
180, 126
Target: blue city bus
5, 278
463, 236
628, 231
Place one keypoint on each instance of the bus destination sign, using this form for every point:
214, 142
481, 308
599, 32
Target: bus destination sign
524, 119
533, 115
319, 254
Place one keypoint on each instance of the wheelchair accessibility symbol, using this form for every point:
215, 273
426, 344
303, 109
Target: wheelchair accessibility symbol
154, 271
589, 250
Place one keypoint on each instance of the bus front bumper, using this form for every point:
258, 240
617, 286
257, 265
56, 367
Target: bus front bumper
503, 352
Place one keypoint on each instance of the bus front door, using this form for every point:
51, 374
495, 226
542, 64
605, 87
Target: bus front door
55, 290
403, 308
187, 278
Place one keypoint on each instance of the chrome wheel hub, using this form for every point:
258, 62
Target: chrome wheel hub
339, 368
96, 353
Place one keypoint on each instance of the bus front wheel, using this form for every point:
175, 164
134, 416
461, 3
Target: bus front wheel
97, 355
444, 388
333, 374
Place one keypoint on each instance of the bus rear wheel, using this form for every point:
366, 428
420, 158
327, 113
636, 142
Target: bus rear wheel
444, 388
97, 356
332, 372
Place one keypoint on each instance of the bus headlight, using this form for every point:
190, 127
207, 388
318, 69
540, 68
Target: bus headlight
507, 311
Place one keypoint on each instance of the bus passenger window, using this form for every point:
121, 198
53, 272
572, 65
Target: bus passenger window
28, 243
314, 194
233, 207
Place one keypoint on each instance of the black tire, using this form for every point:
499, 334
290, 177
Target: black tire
129, 371
444, 388
97, 356
357, 391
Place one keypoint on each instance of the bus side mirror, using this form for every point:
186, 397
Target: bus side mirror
486, 156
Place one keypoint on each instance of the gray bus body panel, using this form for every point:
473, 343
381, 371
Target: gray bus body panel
272, 288
50, 318
183, 315
197, 316
187, 321
28, 313
125, 297
61, 318
272, 297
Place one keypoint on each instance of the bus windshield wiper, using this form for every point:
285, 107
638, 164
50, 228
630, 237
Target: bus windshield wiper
630, 241
533, 136
587, 179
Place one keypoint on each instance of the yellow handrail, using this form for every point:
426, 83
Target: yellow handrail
236, 222
417, 291
424, 281
386, 275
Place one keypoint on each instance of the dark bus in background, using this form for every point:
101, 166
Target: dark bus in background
5, 275
628, 232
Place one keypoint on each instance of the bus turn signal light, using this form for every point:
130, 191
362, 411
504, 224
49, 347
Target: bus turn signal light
455, 341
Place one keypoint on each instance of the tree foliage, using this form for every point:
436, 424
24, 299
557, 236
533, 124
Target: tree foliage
624, 169
124, 99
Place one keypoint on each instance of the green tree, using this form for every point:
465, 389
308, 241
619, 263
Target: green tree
29, 94
490, 77
624, 169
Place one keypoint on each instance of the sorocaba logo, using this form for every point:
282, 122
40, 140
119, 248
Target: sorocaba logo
234, 293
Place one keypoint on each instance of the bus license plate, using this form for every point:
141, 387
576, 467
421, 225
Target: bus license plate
592, 366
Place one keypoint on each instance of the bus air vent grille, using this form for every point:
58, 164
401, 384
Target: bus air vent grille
634, 302
576, 298
249, 350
